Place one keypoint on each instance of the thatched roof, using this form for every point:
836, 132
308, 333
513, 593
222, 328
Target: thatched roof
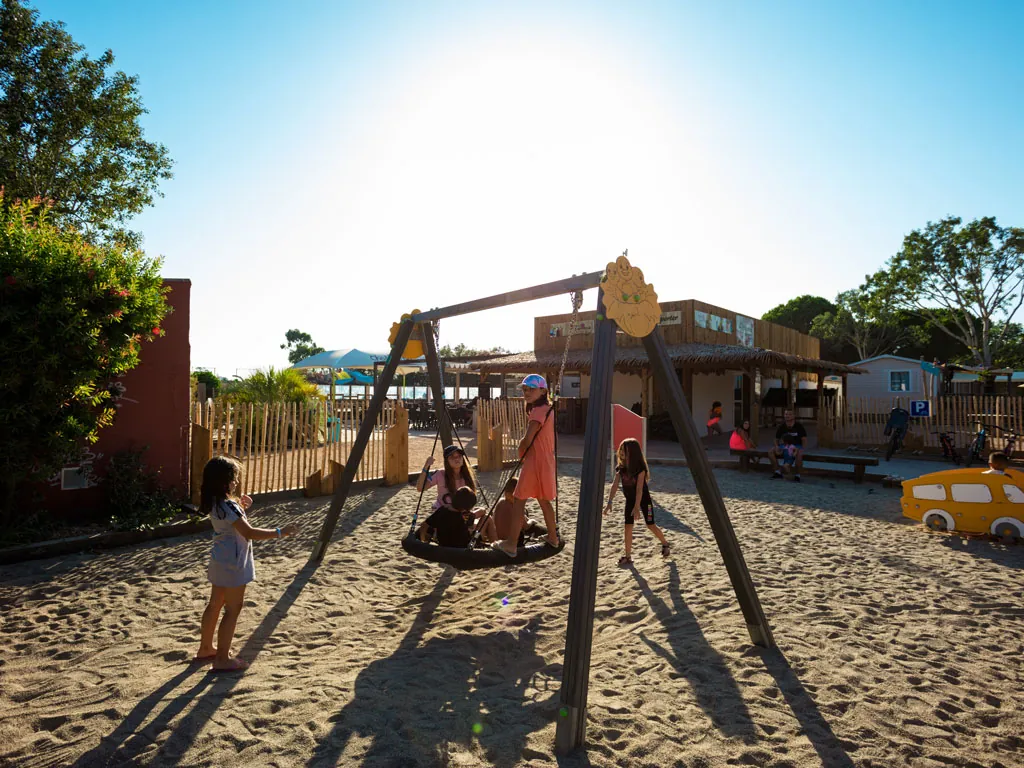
699, 357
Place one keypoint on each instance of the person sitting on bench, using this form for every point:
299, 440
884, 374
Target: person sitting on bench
789, 446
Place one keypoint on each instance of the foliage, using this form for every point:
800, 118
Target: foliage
799, 313
866, 323
300, 346
972, 271
461, 350
208, 378
73, 317
70, 129
285, 385
134, 497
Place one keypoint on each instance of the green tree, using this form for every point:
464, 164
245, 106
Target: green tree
285, 385
70, 129
866, 324
974, 271
799, 313
73, 317
461, 350
210, 379
300, 346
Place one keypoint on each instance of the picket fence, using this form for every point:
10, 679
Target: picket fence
500, 425
281, 445
861, 420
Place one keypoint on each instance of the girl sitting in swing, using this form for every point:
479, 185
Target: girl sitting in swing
457, 474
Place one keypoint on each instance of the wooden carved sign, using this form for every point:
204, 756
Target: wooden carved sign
628, 300
414, 348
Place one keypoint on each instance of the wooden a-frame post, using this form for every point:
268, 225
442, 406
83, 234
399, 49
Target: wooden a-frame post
380, 393
436, 384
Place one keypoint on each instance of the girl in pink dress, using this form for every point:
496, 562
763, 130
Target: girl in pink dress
537, 474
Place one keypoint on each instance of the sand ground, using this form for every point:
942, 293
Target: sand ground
897, 647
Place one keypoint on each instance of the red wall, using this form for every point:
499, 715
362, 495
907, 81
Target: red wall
153, 411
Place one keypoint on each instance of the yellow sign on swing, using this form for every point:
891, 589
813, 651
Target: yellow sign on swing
628, 300
414, 348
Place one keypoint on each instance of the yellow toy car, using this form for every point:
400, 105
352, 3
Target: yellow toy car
967, 500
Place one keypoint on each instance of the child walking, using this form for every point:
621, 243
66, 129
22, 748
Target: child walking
537, 475
633, 474
231, 562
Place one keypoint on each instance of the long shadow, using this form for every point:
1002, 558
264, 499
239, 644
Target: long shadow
213, 687
1008, 556
421, 699
692, 656
669, 522
813, 724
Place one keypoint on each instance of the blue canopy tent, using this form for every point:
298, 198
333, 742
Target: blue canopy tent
351, 362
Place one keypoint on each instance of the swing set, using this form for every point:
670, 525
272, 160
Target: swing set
624, 301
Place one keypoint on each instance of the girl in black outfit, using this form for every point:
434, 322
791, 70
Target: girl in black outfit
633, 473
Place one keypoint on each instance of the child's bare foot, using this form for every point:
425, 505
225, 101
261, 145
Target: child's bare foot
231, 665
205, 654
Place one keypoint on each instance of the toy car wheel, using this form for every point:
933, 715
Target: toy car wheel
1008, 529
937, 520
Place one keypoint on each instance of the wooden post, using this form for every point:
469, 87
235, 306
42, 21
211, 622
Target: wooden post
755, 406
645, 381
570, 732
686, 379
436, 384
362, 438
396, 461
202, 452
710, 494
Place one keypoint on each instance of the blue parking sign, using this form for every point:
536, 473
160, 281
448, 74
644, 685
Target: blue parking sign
921, 409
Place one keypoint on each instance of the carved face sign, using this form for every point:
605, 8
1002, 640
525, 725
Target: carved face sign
414, 348
628, 300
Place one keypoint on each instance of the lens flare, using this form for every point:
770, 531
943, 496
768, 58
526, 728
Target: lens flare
478, 728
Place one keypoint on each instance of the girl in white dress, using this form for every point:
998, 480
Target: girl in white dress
231, 562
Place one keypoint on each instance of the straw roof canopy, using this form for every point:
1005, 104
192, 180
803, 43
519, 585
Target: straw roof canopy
700, 357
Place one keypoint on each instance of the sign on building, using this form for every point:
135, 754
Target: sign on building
673, 317
745, 330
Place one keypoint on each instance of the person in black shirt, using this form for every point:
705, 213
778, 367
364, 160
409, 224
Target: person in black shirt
789, 446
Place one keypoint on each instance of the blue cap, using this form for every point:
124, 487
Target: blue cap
535, 381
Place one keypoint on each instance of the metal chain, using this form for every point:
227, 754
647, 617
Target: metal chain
577, 302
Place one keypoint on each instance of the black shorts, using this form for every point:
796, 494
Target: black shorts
646, 510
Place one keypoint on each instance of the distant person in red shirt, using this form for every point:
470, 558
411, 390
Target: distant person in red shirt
715, 419
740, 439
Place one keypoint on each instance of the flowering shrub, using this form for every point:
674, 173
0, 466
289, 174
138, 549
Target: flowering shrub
73, 317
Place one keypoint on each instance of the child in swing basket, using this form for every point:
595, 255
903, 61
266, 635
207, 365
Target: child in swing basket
231, 562
457, 474
633, 473
504, 510
537, 474
453, 522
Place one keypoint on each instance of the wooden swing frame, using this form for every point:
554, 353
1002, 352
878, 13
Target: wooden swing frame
571, 726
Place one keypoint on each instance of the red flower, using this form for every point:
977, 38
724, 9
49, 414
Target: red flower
157, 332
117, 313
10, 280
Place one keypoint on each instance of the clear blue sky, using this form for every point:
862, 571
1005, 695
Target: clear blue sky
337, 164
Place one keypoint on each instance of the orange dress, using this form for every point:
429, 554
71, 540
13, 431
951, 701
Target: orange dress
537, 475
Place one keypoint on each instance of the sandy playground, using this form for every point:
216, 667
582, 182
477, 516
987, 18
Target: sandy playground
897, 647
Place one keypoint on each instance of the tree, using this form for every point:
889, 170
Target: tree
70, 130
866, 324
973, 272
73, 317
285, 385
300, 346
461, 350
210, 379
799, 313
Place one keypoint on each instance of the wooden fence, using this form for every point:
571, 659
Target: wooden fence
500, 425
282, 445
861, 420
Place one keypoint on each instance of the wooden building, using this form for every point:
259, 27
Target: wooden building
720, 355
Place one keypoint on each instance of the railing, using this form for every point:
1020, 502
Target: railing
500, 426
861, 420
281, 445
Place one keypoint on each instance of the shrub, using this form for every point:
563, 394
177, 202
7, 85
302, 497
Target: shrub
134, 498
73, 317
273, 386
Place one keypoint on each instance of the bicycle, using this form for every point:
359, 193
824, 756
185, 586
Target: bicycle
896, 427
949, 450
977, 445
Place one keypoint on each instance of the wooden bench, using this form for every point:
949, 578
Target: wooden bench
857, 462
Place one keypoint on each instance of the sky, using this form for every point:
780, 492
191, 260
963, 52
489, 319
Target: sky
339, 164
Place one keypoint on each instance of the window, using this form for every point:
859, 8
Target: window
931, 492
974, 493
899, 381
1013, 494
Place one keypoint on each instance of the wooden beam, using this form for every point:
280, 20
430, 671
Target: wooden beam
570, 732
436, 384
574, 283
707, 487
380, 393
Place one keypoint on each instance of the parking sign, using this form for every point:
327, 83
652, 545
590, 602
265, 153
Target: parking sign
920, 409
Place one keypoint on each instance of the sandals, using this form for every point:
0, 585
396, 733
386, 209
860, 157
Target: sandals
625, 560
